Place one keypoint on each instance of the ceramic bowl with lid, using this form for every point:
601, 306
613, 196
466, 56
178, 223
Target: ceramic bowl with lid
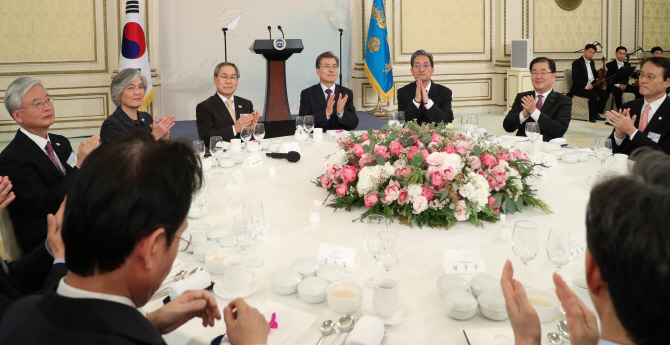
582, 156
285, 282
570, 158
238, 158
331, 272
452, 282
200, 251
274, 147
305, 266
226, 162
313, 289
216, 232
460, 305
492, 305
196, 238
484, 282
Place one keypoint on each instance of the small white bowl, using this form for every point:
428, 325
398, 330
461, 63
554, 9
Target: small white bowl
285, 282
253, 146
214, 259
265, 144
556, 153
306, 266
207, 163
238, 158
492, 305
216, 232
196, 238
274, 147
484, 282
570, 158
452, 282
546, 304
224, 155
344, 297
331, 272
582, 156
226, 162
200, 251
313, 289
460, 305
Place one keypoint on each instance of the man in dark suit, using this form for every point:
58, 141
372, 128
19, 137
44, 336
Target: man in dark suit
646, 121
325, 99
584, 74
122, 229
41, 166
617, 89
550, 109
220, 115
423, 100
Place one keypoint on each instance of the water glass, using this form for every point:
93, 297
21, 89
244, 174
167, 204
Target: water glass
216, 149
200, 199
400, 118
525, 242
602, 148
374, 226
259, 132
300, 125
309, 126
558, 247
389, 256
241, 235
533, 131
255, 210
245, 135
199, 148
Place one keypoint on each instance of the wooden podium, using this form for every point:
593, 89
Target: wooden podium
276, 97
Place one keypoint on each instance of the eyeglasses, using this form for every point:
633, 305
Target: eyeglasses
226, 77
425, 66
329, 66
184, 241
649, 77
541, 73
41, 105
132, 88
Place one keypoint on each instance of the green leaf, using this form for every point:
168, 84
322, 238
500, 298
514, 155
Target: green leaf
509, 206
385, 128
367, 148
371, 131
455, 186
418, 158
452, 206
519, 204
405, 136
427, 138
380, 159
410, 142
477, 150
431, 126
368, 164
392, 136
498, 198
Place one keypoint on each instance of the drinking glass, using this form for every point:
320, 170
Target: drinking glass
309, 126
200, 199
525, 243
472, 122
241, 235
533, 131
216, 149
245, 135
374, 225
400, 118
389, 256
558, 247
199, 148
259, 132
300, 126
255, 210
602, 148
464, 123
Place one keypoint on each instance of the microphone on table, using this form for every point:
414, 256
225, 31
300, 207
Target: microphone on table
282, 31
291, 156
270, 30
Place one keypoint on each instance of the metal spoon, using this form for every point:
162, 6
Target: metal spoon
345, 324
563, 329
326, 329
162, 291
180, 273
554, 338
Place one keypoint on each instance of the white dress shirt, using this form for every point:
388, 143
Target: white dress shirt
42, 143
232, 105
606, 342
654, 106
325, 95
589, 72
536, 114
619, 65
429, 103
66, 290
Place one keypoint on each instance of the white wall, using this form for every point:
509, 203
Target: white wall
191, 46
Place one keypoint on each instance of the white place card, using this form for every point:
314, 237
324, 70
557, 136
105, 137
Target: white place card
263, 235
463, 261
332, 254
236, 180
589, 182
253, 161
577, 250
232, 205
292, 146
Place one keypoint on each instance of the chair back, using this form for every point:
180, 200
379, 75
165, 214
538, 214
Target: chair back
12, 249
568, 80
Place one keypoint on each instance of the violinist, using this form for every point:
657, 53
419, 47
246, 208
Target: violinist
613, 67
584, 76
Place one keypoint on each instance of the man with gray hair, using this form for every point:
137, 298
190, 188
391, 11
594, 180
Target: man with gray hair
422, 100
41, 166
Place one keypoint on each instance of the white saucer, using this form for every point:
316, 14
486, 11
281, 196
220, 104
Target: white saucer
400, 316
221, 291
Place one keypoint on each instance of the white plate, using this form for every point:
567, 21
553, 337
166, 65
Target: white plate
400, 316
221, 291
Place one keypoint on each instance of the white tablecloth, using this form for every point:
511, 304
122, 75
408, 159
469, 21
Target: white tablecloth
288, 199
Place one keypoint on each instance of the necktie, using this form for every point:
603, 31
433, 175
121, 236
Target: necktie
328, 92
231, 110
644, 119
52, 156
539, 102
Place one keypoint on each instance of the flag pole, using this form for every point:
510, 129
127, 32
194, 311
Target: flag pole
379, 111
225, 45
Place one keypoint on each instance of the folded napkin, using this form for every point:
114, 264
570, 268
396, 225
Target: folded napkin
368, 331
558, 141
198, 281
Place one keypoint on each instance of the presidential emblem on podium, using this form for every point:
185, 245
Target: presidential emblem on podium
279, 43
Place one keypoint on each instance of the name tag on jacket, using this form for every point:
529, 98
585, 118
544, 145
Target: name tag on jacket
655, 137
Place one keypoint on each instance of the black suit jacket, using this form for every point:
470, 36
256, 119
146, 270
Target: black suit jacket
62, 320
554, 117
213, 119
313, 102
580, 76
439, 112
612, 69
659, 124
38, 185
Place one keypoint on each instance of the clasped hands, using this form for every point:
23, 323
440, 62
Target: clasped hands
247, 121
341, 102
623, 123
421, 93
528, 105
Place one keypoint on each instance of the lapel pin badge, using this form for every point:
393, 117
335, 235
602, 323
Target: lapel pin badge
239, 106
57, 144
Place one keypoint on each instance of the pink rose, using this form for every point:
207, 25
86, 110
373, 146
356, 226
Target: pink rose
370, 200
342, 190
503, 156
449, 149
434, 159
436, 138
325, 182
412, 152
492, 203
474, 162
333, 171
460, 211
381, 150
348, 173
420, 204
403, 197
437, 179
450, 173
358, 150
396, 149
404, 172
364, 137
433, 147
428, 192
488, 160
364, 159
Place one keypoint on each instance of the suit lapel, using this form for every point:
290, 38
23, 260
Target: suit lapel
663, 110
61, 151
222, 108
320, 96
549, 103
432, 93
36, 152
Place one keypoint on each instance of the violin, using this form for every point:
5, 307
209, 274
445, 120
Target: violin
601, 82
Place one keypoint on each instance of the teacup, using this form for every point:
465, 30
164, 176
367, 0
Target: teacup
546, 304
235, 145
385, 299
235, 273
253, 146
317, 134
344, 297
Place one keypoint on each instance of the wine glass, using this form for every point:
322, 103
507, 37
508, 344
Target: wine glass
199, 148
200, 199
374, 225
533, 131
464, 123
259, 132
525, 243
241, 236
309, 126
255, 210
472, 122
400, 118
558, 247
389, 256
216, 149
299, 125
245, 135
602, 148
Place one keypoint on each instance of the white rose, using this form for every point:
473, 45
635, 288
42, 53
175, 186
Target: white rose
420, 204
452, 160
339, 158
414, 191
389, 170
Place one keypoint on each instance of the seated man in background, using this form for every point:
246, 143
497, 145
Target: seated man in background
626, 264
423, 100
584, 74
326, 99
645, 121
123, 225
613, 67
657, 52
220, 115
41, 166
550, 109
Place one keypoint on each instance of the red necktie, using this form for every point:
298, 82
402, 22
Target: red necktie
52, 156
539, 102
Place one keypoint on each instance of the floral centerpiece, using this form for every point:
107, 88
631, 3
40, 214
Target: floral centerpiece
428, 175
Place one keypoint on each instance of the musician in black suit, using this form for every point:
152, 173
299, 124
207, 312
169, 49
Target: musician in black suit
325, 99
41, 166
423, 100
646, 121
550, 109
617, 89
220, 115
583, 78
